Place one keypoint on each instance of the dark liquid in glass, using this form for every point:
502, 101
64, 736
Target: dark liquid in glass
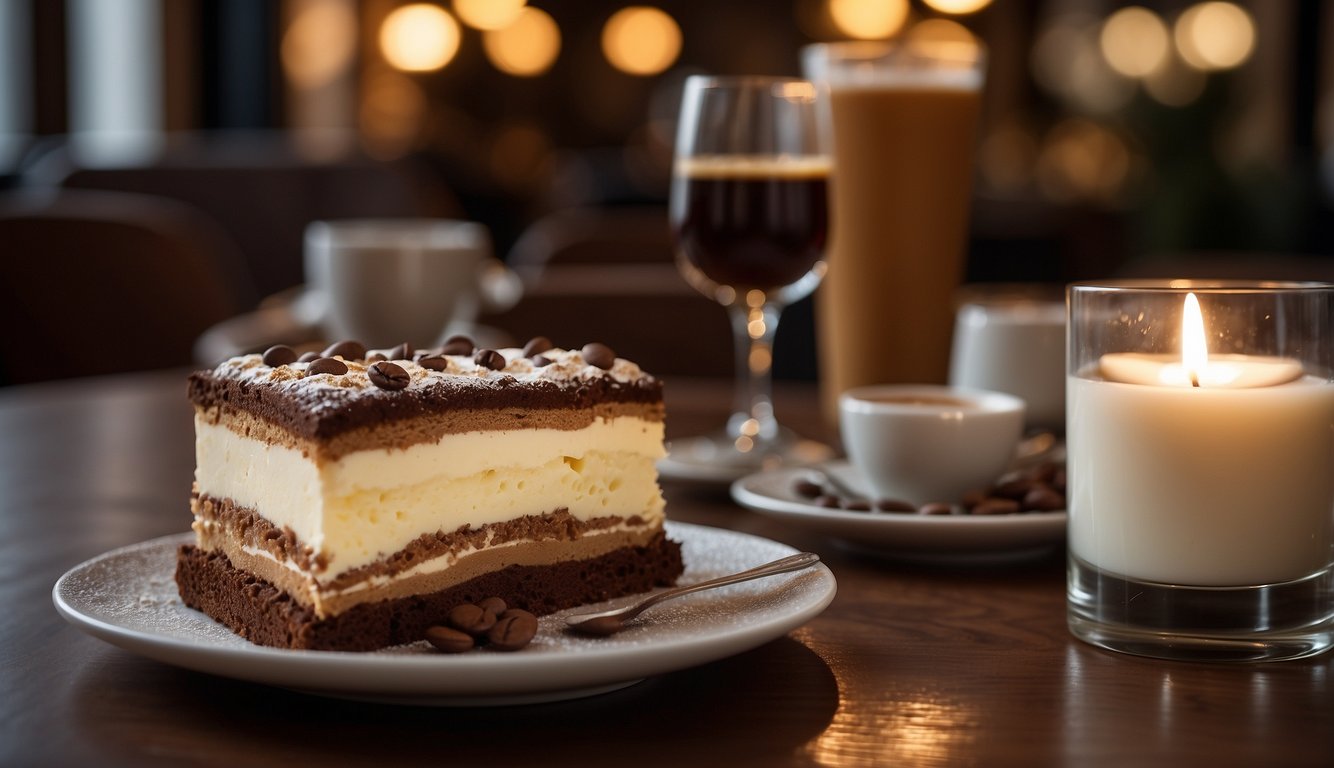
750, 230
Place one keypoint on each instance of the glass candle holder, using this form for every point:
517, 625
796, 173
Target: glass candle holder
1200, 438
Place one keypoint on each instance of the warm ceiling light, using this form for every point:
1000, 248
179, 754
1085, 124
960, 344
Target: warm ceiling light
488, 14
419, 37
641, 40
941, 31
958, 7
526, 47
869, 19
1213, 36
319, 43
1134, 41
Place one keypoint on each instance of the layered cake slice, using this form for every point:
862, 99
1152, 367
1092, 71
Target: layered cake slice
348, 502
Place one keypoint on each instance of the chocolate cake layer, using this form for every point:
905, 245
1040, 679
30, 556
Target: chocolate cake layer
346, 403
265, 615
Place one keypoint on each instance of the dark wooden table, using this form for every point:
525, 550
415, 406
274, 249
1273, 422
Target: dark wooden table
911, 665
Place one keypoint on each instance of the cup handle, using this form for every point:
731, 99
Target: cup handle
499, 287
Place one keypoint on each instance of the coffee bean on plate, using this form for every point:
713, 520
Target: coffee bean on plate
936, 508
857, 505
450, 640
1013, 488
387, 375
536, 346
472, 619
346, 349
327, 365
828, 502
279, 354
489, 358
513, 630
495, 605
598, 355
973, 498
894, 505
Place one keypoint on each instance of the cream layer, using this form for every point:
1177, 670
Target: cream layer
433, 575
368, 505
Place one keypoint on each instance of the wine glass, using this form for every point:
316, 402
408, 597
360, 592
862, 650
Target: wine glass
750, 219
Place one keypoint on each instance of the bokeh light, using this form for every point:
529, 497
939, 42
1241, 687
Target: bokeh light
1135, 41
319, 43
1067, 63
941, 32
1082, 160
419, 37
957, 7
489, 14
392, 113
1216, 35
641, 40
1175, 85
869, 19
527, 47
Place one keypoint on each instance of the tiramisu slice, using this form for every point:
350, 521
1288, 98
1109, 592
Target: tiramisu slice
349, 501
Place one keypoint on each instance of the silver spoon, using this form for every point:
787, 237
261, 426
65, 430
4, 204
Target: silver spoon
610, 622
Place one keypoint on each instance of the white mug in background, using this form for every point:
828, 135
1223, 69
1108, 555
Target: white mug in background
927, 443
386, 281
1017, 346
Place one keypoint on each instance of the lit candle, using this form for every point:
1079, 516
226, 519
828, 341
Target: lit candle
1199, 469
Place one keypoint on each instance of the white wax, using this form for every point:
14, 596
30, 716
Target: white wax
1200, 486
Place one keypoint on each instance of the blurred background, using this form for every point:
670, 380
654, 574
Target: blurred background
160, 159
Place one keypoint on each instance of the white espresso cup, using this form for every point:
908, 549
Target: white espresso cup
1017, 346
926, 443
387, 281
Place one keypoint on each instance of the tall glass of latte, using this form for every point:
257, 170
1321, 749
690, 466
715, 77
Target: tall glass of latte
903, 117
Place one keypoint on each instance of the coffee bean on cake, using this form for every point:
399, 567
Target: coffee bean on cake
598, 355
387, 375
536, 346
346, 349
489, 358
279, 354
327, 365
457, 345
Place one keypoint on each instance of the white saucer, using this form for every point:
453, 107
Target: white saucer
696, 460
960, 538
128, 598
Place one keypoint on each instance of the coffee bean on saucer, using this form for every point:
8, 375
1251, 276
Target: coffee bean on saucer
308, 357
472, 619
828, 502
857, 505
936, 508
807, 489
598, 355
973, 498
1043, 499
489, 358
1013, 488
346, 349
996, 506
513, 630
387, 375
1044, 472
327, 365
1058, 481
894, 505
450, 640
279, 354
536, 346
457, 345
435, 363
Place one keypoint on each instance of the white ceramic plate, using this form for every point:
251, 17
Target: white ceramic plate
128, 598
962, 538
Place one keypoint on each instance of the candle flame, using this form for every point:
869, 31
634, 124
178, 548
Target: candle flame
1194, 347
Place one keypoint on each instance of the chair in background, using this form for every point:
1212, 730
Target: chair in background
105, 282
263, 192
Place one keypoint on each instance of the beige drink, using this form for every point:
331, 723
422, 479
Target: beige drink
904, 135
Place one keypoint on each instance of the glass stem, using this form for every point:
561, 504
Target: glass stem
752, 424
